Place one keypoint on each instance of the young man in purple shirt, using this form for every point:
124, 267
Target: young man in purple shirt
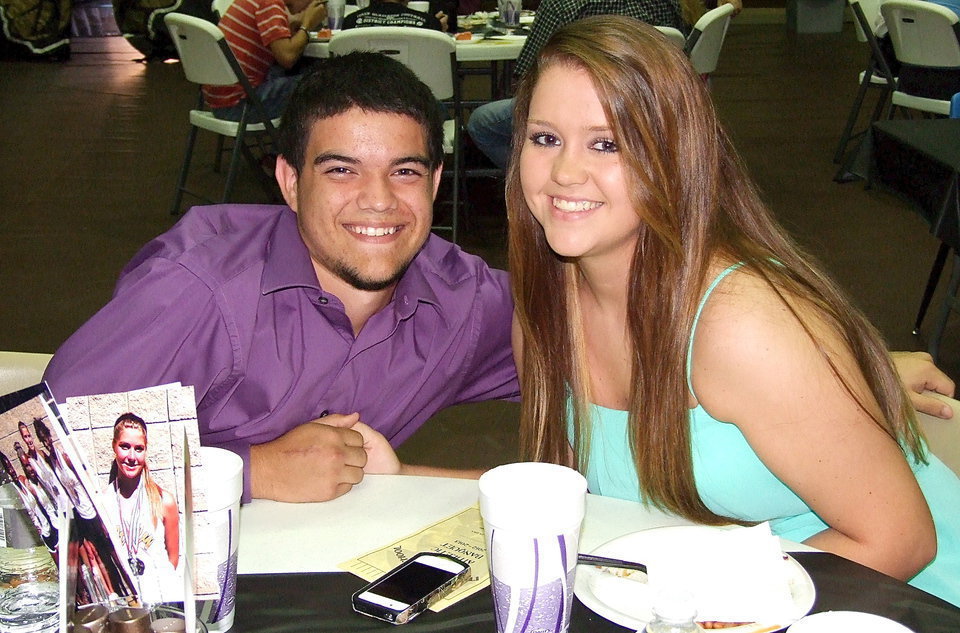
313, 333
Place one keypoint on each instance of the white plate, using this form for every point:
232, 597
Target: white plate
508, 37
617, 599
846, 622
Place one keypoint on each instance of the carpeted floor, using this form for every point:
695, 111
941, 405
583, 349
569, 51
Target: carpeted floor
91, 149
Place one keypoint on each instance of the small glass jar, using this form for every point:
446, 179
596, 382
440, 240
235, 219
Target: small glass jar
29, 583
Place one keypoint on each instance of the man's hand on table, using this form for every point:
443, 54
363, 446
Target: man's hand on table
316, 461
920, 375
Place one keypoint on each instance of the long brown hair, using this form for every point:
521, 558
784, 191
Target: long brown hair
154, 493
698, 206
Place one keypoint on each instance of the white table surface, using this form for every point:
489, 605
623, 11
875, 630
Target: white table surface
315, 537
506, 48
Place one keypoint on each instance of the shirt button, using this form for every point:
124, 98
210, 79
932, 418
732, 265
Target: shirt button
323, 301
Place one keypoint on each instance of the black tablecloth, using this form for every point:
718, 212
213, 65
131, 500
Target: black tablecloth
321, 602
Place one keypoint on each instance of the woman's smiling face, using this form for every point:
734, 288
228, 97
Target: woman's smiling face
130, 450
571, 169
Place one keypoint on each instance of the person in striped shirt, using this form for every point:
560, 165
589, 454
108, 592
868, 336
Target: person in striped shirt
267, 42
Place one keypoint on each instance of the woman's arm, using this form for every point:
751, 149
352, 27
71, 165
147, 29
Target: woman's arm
382, 459
171, 527
755, 366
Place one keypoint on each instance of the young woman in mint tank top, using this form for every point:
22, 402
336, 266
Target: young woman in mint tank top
676, 346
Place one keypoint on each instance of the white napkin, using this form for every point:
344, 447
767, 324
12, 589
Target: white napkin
735, 575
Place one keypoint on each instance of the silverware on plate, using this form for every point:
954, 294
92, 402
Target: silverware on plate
603, 561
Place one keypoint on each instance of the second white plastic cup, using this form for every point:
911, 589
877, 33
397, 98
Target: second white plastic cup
223, 486
335, 13
532, 514
509, 11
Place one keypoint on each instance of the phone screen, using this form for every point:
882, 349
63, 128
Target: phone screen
412, 583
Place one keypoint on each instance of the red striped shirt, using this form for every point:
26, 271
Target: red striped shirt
249, 26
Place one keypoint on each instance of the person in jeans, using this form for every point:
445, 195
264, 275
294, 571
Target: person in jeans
267, 43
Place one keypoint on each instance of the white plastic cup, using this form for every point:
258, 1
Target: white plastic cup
419, 5
335, 12
532, 514
223, 483
509, 11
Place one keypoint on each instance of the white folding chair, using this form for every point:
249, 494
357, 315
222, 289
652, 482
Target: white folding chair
207, 59
877, 74
706, 39
923, 34
219, 7
432, 56
21, 369
674, 35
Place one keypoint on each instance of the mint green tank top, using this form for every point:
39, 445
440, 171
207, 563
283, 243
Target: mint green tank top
733, 482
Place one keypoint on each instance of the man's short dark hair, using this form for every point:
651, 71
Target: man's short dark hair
365, 80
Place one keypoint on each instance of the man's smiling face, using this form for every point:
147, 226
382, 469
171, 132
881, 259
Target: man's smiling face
364, 199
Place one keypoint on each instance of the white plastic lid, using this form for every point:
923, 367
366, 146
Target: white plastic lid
533, 497
222, 477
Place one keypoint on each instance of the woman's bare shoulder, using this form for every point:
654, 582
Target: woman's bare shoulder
752, 333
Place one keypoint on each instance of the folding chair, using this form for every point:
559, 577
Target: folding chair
877, 74
924, 35
207, 59
706, 39
432, 56
219, 7
674, 35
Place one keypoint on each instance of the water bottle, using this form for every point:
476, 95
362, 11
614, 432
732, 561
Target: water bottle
674, 611
29, 585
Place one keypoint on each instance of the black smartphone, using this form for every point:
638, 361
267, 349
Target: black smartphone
405, 591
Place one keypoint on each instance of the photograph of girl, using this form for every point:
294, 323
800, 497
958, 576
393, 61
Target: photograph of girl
147, 517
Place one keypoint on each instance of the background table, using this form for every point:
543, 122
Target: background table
505, 48
920, 160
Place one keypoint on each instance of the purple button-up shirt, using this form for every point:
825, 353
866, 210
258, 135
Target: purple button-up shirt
228, 301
